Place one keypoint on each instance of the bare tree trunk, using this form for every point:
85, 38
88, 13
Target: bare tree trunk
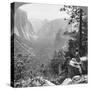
80, 34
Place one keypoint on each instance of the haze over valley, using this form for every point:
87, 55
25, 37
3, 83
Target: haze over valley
41, 37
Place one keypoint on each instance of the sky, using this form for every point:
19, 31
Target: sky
43, 11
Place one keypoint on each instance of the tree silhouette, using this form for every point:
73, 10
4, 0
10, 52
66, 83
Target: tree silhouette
78, 18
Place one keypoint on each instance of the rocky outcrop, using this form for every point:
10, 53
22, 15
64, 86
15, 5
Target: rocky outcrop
76, 80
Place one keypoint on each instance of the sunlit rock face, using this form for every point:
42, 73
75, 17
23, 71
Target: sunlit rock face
23, 25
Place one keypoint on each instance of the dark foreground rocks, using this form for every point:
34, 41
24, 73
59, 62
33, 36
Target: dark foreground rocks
39, 81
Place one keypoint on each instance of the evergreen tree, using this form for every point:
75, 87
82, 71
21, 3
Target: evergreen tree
78, 18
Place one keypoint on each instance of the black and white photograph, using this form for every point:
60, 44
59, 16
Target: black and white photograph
49, 44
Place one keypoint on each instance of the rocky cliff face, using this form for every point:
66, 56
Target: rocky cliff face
42, 36
23, 27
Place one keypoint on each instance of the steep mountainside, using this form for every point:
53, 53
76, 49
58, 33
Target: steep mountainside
23, 25
41, 38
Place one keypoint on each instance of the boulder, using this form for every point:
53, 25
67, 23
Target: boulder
67, 81
80, 79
